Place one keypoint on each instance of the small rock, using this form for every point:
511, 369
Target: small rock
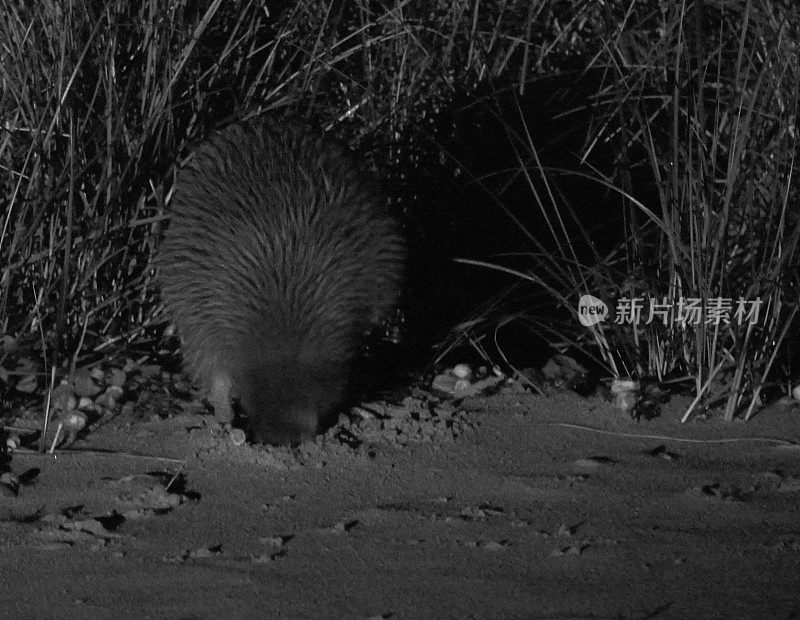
115, 392
62, 398
116, 378
85, 384
462, 371
238, 438
84, 404
27, 384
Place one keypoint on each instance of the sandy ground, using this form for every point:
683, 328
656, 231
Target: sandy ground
491, 509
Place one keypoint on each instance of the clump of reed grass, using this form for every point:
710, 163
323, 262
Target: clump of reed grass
703, 97
711, 108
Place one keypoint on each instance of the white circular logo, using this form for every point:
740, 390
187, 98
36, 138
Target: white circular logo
591, 310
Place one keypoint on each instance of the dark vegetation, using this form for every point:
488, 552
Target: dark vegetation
560, 148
